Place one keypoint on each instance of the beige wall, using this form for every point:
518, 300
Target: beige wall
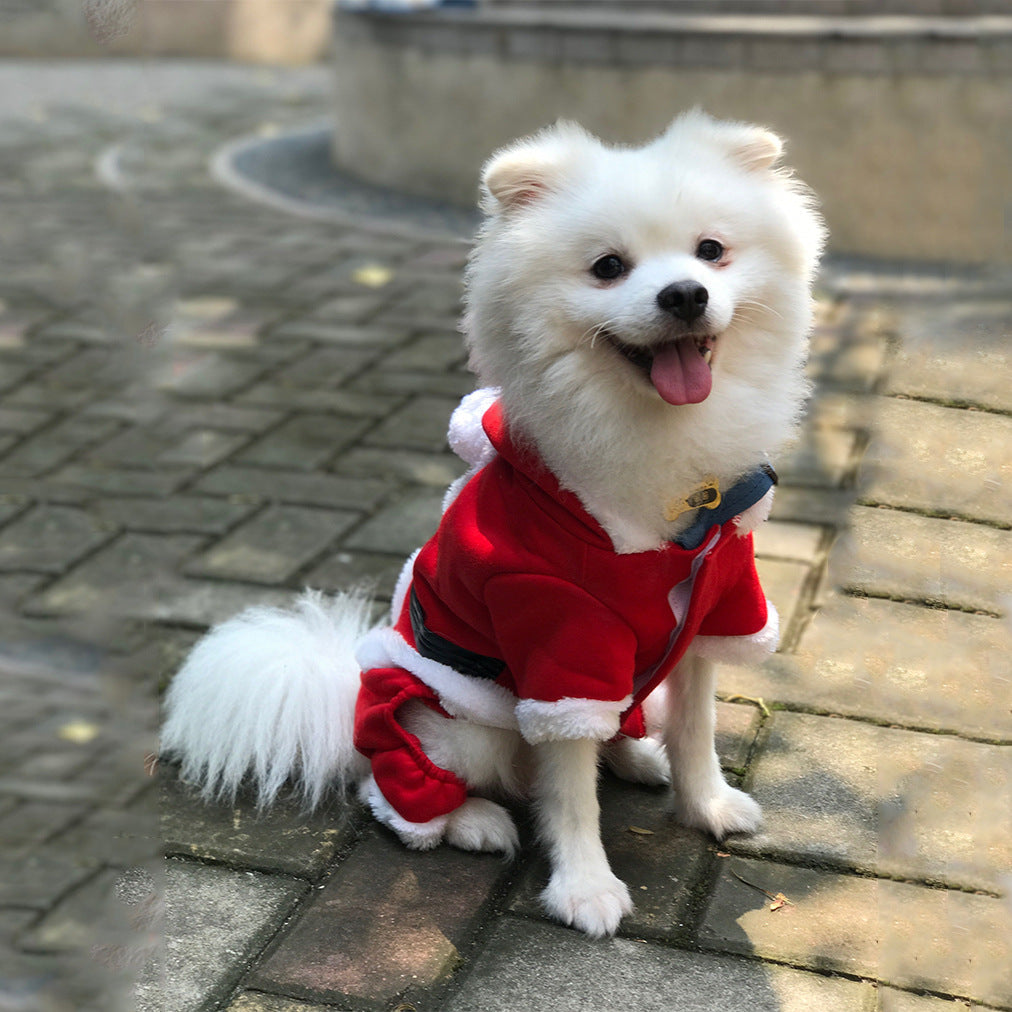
905, 166
261, 31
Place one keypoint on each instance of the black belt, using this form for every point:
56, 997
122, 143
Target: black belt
434, 647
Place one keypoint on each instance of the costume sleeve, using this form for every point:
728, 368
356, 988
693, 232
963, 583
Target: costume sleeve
571, 657
743, 626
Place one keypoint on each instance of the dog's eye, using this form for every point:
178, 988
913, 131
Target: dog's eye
608, 268
709, 249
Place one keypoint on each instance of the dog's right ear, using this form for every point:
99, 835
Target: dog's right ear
521, 173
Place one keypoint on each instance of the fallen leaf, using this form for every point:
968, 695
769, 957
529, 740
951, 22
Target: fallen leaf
373, 275
80, 732
641, 832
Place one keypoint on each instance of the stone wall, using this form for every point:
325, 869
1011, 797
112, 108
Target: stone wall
900, 124
267, 31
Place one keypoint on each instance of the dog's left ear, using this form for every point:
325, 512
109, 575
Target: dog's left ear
754, 147
526, 170
757, 148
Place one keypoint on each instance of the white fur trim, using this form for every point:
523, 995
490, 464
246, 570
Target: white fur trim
466, 437
416, 835
403, 586
742, 649
570, 718
758, 513
478, 700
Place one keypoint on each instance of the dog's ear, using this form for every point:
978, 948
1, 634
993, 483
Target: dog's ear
525, 171
754, 147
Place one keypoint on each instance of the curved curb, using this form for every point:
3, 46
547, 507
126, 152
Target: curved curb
224, 169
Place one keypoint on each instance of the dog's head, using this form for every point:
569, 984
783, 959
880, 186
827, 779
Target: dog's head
659, 273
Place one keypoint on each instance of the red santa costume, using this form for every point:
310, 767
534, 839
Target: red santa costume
520, 614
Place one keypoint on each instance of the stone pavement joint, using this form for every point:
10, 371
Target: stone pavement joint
209, 405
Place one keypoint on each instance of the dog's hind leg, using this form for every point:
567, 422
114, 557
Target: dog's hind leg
488, 759
638, 760
582, 890
703, 797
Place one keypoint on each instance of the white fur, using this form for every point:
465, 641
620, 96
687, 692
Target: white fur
534, 318
271, 693
703, 798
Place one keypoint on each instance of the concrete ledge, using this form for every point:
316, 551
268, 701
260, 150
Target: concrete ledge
898, 123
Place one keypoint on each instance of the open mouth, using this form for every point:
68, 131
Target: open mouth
680, 371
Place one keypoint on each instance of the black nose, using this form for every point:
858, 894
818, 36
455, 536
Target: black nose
684, 299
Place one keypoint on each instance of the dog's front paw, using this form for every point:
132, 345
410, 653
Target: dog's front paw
593, 903
725, 811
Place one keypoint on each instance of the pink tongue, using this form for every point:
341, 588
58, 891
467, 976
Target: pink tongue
679, 373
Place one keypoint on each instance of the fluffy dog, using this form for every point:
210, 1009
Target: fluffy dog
639, 320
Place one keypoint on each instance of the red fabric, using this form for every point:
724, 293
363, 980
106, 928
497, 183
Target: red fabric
415, 786
519, 570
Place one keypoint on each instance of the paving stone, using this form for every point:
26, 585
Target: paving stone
784, 584
128, 562
390, 922
932, 939
420, 425
325, 367
778, 539
824, 506
305, 442
274, 545
383, 382
917, 806
53, 446
438, 470
534, 966
343, 570
281, 839
350, 308
428, 353
851, 361
954, 351
661, 862
257, 1001
905, 664
737, 726
889, 553
310, 329
216, 920
38, 878
35, 822
48, 539
352, 403
181, 514
400, 527
823, 456
22, 421
118, 836
201, 448
942, 460
891, 1000
207, 374
81, 478
255, 484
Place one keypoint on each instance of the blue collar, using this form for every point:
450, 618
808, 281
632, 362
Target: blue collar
733, 502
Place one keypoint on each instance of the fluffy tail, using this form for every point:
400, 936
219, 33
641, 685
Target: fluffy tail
270, 694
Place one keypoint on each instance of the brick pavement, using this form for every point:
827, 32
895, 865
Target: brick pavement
208, 404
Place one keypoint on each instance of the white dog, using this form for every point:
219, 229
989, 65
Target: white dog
639, 318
